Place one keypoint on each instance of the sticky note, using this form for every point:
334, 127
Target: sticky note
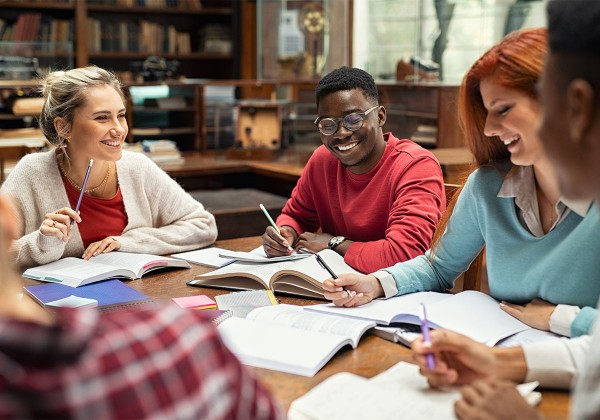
195, 302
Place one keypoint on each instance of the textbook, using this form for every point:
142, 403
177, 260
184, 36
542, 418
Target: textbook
76, 272
109, 294
302, 277
288, 339
399, 392
470, 313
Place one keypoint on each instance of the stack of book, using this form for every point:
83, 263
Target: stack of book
425, 135
162, 151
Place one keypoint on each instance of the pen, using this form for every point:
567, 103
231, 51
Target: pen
85, 180
272, 222
323, 264
425, 332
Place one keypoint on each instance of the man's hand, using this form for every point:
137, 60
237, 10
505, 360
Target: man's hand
495, 400
276, 245
314, 242
461, 361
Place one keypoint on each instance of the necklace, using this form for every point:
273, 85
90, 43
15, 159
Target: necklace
74, 184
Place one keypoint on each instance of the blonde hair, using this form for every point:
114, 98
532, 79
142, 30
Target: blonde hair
65, 91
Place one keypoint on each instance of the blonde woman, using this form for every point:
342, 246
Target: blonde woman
129, 204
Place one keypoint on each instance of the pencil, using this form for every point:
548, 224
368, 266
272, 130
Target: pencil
272, 222
85, 180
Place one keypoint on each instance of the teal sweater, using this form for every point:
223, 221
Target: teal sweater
559, 267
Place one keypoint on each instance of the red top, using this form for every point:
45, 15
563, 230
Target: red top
100, 217
391, 212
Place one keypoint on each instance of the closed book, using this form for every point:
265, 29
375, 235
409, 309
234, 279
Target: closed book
109, 294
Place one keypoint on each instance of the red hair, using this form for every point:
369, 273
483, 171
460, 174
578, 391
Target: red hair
516, 62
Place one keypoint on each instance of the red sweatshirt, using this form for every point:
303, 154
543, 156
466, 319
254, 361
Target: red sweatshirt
390, 213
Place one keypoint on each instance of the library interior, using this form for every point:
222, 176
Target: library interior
220, 94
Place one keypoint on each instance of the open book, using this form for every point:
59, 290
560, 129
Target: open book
302, 277
471, 313
288, 339
399, 392
77, 272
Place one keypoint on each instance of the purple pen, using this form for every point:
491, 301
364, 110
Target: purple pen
85, 180
425, 332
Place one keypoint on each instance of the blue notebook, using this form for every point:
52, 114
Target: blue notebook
110, 294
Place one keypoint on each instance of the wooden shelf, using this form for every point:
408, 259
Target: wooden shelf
208, 11
32, 5
119, 55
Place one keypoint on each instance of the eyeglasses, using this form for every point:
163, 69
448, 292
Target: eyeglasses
352, 122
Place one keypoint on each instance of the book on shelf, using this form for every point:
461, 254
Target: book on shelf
470, 313
300, 277
76, 272
288, 339
399, 392
108, 295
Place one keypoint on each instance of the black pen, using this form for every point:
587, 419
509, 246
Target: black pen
323, 264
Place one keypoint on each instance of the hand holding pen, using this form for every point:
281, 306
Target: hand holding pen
59, 222
323, 264
272, 243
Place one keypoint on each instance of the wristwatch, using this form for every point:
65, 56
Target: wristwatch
335, 241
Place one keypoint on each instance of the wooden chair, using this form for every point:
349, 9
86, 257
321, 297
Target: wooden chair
471, 277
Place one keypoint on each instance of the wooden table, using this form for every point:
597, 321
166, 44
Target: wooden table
372, 356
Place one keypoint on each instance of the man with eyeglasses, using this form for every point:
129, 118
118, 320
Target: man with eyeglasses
367, 195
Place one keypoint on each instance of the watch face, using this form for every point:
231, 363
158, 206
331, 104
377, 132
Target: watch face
335, 241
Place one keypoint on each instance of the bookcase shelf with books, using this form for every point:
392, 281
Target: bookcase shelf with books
202, 35
201, 38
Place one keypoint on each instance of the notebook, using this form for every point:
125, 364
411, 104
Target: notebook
242, 303
209, 257
399, 392
109, 294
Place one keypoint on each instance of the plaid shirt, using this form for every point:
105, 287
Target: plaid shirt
150, 363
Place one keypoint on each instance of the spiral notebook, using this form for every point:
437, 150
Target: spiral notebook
109, 294
242, 303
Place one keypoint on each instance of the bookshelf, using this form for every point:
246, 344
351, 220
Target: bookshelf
424, 112
202, 35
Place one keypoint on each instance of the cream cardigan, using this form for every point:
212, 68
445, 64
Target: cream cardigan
162, 217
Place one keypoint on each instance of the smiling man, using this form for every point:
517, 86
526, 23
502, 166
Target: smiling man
369, 196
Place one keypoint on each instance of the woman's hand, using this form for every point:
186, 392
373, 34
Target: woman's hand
59, 223
104, 246
536, 313
363, 288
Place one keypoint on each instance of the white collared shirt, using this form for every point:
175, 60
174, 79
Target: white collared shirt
519, 184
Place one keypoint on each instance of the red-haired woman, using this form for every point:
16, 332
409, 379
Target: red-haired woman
510, 204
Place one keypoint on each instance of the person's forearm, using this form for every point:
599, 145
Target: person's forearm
510, 363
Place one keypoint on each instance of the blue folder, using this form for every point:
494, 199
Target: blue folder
110, 294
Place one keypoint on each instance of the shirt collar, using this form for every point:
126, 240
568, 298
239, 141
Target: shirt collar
519, 183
